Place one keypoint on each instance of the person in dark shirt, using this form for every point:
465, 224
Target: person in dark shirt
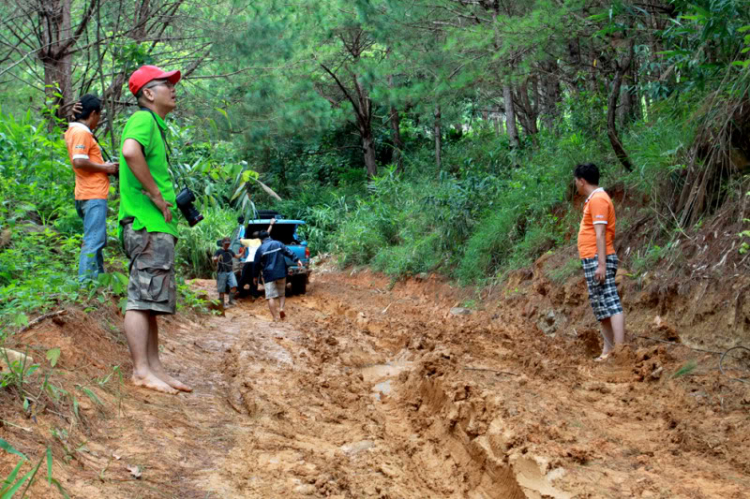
225, 277
246, 285
270, 259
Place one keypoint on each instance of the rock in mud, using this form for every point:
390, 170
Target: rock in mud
8, 356
460, 311
306, 489
355, 448
549, 323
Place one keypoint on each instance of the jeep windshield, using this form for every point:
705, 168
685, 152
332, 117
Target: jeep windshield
283, 231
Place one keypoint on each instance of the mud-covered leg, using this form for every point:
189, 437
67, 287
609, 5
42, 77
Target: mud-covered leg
617, 323
155, 362
137, 332
282, 300
273, 305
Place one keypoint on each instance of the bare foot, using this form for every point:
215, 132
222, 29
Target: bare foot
282, 315
173, 382
152, 382
602, 357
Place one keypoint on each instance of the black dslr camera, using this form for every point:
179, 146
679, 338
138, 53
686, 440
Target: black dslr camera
185, 200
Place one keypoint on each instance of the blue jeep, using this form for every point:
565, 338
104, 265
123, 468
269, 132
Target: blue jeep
284, 231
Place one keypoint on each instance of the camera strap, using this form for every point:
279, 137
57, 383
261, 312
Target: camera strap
167, 148
106, 155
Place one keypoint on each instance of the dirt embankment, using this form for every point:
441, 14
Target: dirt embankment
372, 392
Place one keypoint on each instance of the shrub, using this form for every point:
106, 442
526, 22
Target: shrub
197, 245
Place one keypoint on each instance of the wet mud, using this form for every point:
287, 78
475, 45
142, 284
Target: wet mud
375, 391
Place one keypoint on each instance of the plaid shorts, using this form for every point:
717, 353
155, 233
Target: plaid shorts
152, 285
603, 296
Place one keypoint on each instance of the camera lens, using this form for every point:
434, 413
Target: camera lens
184, 202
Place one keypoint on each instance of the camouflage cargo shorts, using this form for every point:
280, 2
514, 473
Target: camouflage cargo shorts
152, 283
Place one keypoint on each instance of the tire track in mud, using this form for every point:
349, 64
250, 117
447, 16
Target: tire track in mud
326, 420
367, 392
373, 392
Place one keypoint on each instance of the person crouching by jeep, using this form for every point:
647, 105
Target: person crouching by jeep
270, 259
225, 278
92, 184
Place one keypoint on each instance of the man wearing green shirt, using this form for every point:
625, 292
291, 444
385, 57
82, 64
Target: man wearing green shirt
148, 224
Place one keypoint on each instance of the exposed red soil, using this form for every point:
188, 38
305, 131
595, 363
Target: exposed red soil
368, 391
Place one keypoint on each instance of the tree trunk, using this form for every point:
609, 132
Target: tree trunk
630, 107
510, 116
486, 123
592, 64
55, 56
56, 83
624, 110
363, 113
614, 95
438, 138
499, 121
56, 38
368, 148
398, 143
528, 108
551, 95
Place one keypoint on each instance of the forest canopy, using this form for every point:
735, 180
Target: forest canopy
412, 135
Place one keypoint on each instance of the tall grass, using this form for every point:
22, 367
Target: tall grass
197, 245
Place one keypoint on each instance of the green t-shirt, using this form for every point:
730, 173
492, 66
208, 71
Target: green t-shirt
142, 127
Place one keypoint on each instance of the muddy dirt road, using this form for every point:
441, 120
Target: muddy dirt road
372, 392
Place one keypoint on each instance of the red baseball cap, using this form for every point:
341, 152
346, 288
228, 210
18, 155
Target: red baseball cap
145, 74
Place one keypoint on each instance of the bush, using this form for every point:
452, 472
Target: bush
197, 245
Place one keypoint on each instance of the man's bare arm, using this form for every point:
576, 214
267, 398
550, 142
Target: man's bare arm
89, 166
133, 154
601, 251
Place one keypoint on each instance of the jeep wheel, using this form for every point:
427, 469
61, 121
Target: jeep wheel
299, 284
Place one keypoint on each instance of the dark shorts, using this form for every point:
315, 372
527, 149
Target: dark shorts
152, 285
603, 296
225, 281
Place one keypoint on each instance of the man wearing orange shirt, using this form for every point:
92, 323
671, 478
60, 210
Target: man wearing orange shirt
596, 249
92, 184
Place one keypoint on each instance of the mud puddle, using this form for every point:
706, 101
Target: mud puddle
382, 375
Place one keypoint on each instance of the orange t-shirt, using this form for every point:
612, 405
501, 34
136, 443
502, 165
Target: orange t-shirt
598, 209
82, 145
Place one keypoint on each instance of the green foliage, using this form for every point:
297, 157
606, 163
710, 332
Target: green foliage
42, 232
686, 369
190, 299
659, 148
9, 448
18, 373
291, 118
197, 245
31, 161
570, 268
705, 39
10, 486
648, 257
744, 245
